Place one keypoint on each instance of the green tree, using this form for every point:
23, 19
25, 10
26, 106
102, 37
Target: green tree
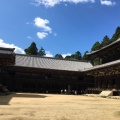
72, 57
96, 46
106, 41
32, 49
68, 57
77, 56
85, 57
59, 56
97, 61
116, 35
41, 52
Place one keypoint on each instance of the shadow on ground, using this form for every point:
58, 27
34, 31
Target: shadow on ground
5, 99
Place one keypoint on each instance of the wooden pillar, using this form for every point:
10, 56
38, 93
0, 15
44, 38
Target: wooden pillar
117, 82
1, 74
108, 83
101, 82
95, 82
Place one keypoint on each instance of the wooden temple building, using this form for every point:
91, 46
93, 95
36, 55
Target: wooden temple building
106, 75
26, 73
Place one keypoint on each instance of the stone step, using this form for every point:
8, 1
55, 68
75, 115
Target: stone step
106, 93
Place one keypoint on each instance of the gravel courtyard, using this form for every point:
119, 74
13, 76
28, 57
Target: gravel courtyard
31, 106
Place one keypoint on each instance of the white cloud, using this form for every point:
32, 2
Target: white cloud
52, 3
6, 45
47, 3
41, 35
107, 2
78, 1
48, 54
42, 23
64, 55
44, 28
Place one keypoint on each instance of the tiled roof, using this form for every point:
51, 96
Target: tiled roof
115, 42
117, 62
50, 63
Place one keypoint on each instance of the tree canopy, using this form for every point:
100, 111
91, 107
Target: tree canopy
41, 52
76, 56
116, 35
106, 41
85, 57
32, 49
96, 46
59, 56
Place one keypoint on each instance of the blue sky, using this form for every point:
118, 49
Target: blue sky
59, 26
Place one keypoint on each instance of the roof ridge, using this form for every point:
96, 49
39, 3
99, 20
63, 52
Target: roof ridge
52, 58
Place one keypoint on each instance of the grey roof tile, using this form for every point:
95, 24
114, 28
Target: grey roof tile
116, 62
50, 63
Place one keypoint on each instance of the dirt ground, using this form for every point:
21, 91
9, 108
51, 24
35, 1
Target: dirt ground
28, 106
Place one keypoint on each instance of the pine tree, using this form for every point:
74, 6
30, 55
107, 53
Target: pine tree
96, 46
85, 57
78, 55
106, 41
41, 52
116, 35
32, 49
59, 56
